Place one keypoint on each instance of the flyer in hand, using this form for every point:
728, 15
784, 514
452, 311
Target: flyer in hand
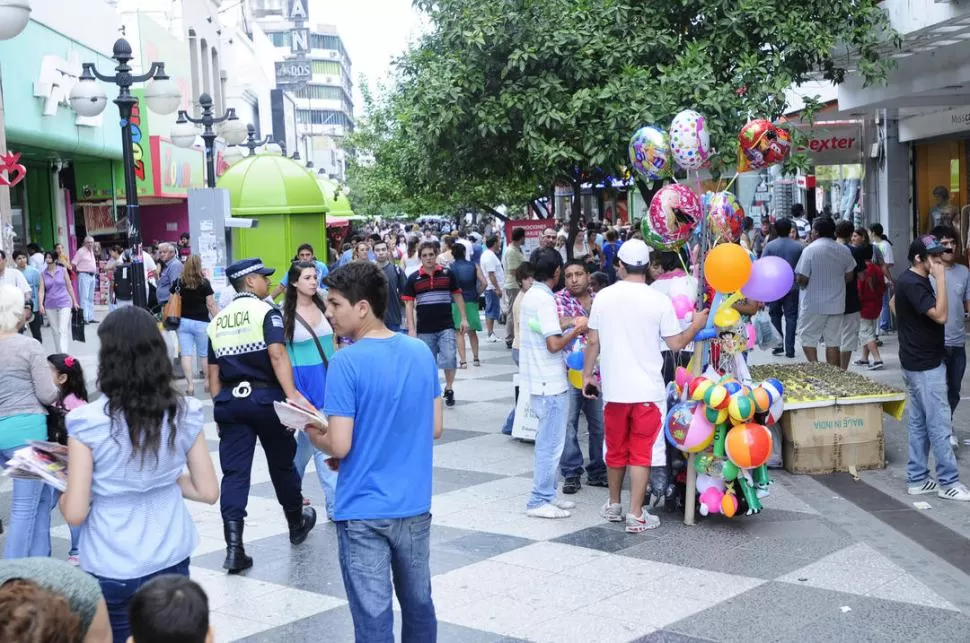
296, 417
41, 460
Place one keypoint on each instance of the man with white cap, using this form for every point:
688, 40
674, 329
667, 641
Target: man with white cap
626, 322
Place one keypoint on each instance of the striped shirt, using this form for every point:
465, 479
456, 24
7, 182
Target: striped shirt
544, 373
825, 262
432, 296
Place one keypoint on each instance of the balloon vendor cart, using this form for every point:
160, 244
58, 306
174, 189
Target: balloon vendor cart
719, 414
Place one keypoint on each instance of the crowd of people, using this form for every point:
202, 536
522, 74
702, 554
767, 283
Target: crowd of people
359, 345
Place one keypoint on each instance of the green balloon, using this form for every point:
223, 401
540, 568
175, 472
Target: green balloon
730, 471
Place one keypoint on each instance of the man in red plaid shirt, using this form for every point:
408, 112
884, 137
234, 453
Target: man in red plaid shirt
576, 300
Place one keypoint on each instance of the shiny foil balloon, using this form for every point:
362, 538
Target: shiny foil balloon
690, 144
674, 212
762, 145
725, 216
650, 153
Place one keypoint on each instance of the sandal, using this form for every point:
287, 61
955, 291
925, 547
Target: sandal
477, 362
462, 365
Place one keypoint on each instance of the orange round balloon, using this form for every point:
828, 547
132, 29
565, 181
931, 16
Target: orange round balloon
748, 445
727, 267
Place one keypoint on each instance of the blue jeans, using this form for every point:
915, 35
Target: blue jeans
885, 318
956, 366
328, 478
929, 427
493, 305
510, 420
119, 592
443, 346
29, 530
85, 291
376, 555
550, 440
571, 462
787, 306
193, 341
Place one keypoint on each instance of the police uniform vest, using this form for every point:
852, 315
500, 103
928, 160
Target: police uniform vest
238, 329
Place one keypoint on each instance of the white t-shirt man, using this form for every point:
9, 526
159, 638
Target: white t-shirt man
544, 373
631, 319
13, 277
491, 263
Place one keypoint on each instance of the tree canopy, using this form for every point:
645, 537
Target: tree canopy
501, 99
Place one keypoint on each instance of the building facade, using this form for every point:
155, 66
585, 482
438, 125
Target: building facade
324, 102
48, 143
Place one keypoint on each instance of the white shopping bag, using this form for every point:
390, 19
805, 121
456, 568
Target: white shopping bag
526, 423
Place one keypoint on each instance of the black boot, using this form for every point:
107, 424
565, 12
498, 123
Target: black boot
301, 521
236, 558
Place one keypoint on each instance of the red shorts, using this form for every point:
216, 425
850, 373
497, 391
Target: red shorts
631, 431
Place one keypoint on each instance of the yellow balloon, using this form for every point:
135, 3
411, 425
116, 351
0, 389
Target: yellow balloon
727, 318
575, 378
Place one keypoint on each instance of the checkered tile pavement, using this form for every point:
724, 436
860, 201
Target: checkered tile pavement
791, 573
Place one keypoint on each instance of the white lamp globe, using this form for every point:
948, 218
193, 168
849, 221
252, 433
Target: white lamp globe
88, 98
14, 15
274, 149
233, 155
184, 134
163, 96
234, 132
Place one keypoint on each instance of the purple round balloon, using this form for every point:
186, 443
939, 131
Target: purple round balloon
771, 279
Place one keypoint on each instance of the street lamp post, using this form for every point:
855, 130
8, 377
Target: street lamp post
161, 96
251, 141
184, 133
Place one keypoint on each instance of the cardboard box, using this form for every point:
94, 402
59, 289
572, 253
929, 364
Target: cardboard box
833, 438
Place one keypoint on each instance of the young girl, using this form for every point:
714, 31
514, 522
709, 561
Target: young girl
69, 377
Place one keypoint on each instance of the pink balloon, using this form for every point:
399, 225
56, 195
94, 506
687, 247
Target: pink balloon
700, 430
683, 306
683, 377
771, 279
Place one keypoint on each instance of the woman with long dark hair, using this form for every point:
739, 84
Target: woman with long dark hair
128, 450
198, 306
310, 344
411, 261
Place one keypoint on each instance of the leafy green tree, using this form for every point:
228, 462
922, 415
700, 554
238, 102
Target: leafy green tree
504, 96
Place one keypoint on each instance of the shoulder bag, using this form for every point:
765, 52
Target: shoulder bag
172, 313
316, 340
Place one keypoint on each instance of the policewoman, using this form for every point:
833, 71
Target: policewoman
249, 369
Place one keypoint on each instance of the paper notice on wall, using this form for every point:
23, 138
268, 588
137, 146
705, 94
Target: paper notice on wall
208, 247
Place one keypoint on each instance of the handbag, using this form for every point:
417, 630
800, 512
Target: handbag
77, 325
172, 313
316, 340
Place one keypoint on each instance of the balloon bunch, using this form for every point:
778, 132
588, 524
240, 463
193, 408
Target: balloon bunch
723, 422
674, 210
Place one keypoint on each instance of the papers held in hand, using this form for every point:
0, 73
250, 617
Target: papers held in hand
297, 417
42, 460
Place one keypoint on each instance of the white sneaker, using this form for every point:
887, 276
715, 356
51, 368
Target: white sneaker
958, 491
612, 512
641, 523
954, 442
928, 486
547, 510
562, 503
492, 338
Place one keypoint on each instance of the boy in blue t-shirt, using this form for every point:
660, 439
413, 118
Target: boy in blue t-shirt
384, 408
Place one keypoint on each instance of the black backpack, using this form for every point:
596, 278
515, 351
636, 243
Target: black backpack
123, 282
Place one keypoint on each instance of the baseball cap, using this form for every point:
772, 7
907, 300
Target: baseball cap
634, 253
927, 244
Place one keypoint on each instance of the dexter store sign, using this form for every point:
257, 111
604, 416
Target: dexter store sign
832, 144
